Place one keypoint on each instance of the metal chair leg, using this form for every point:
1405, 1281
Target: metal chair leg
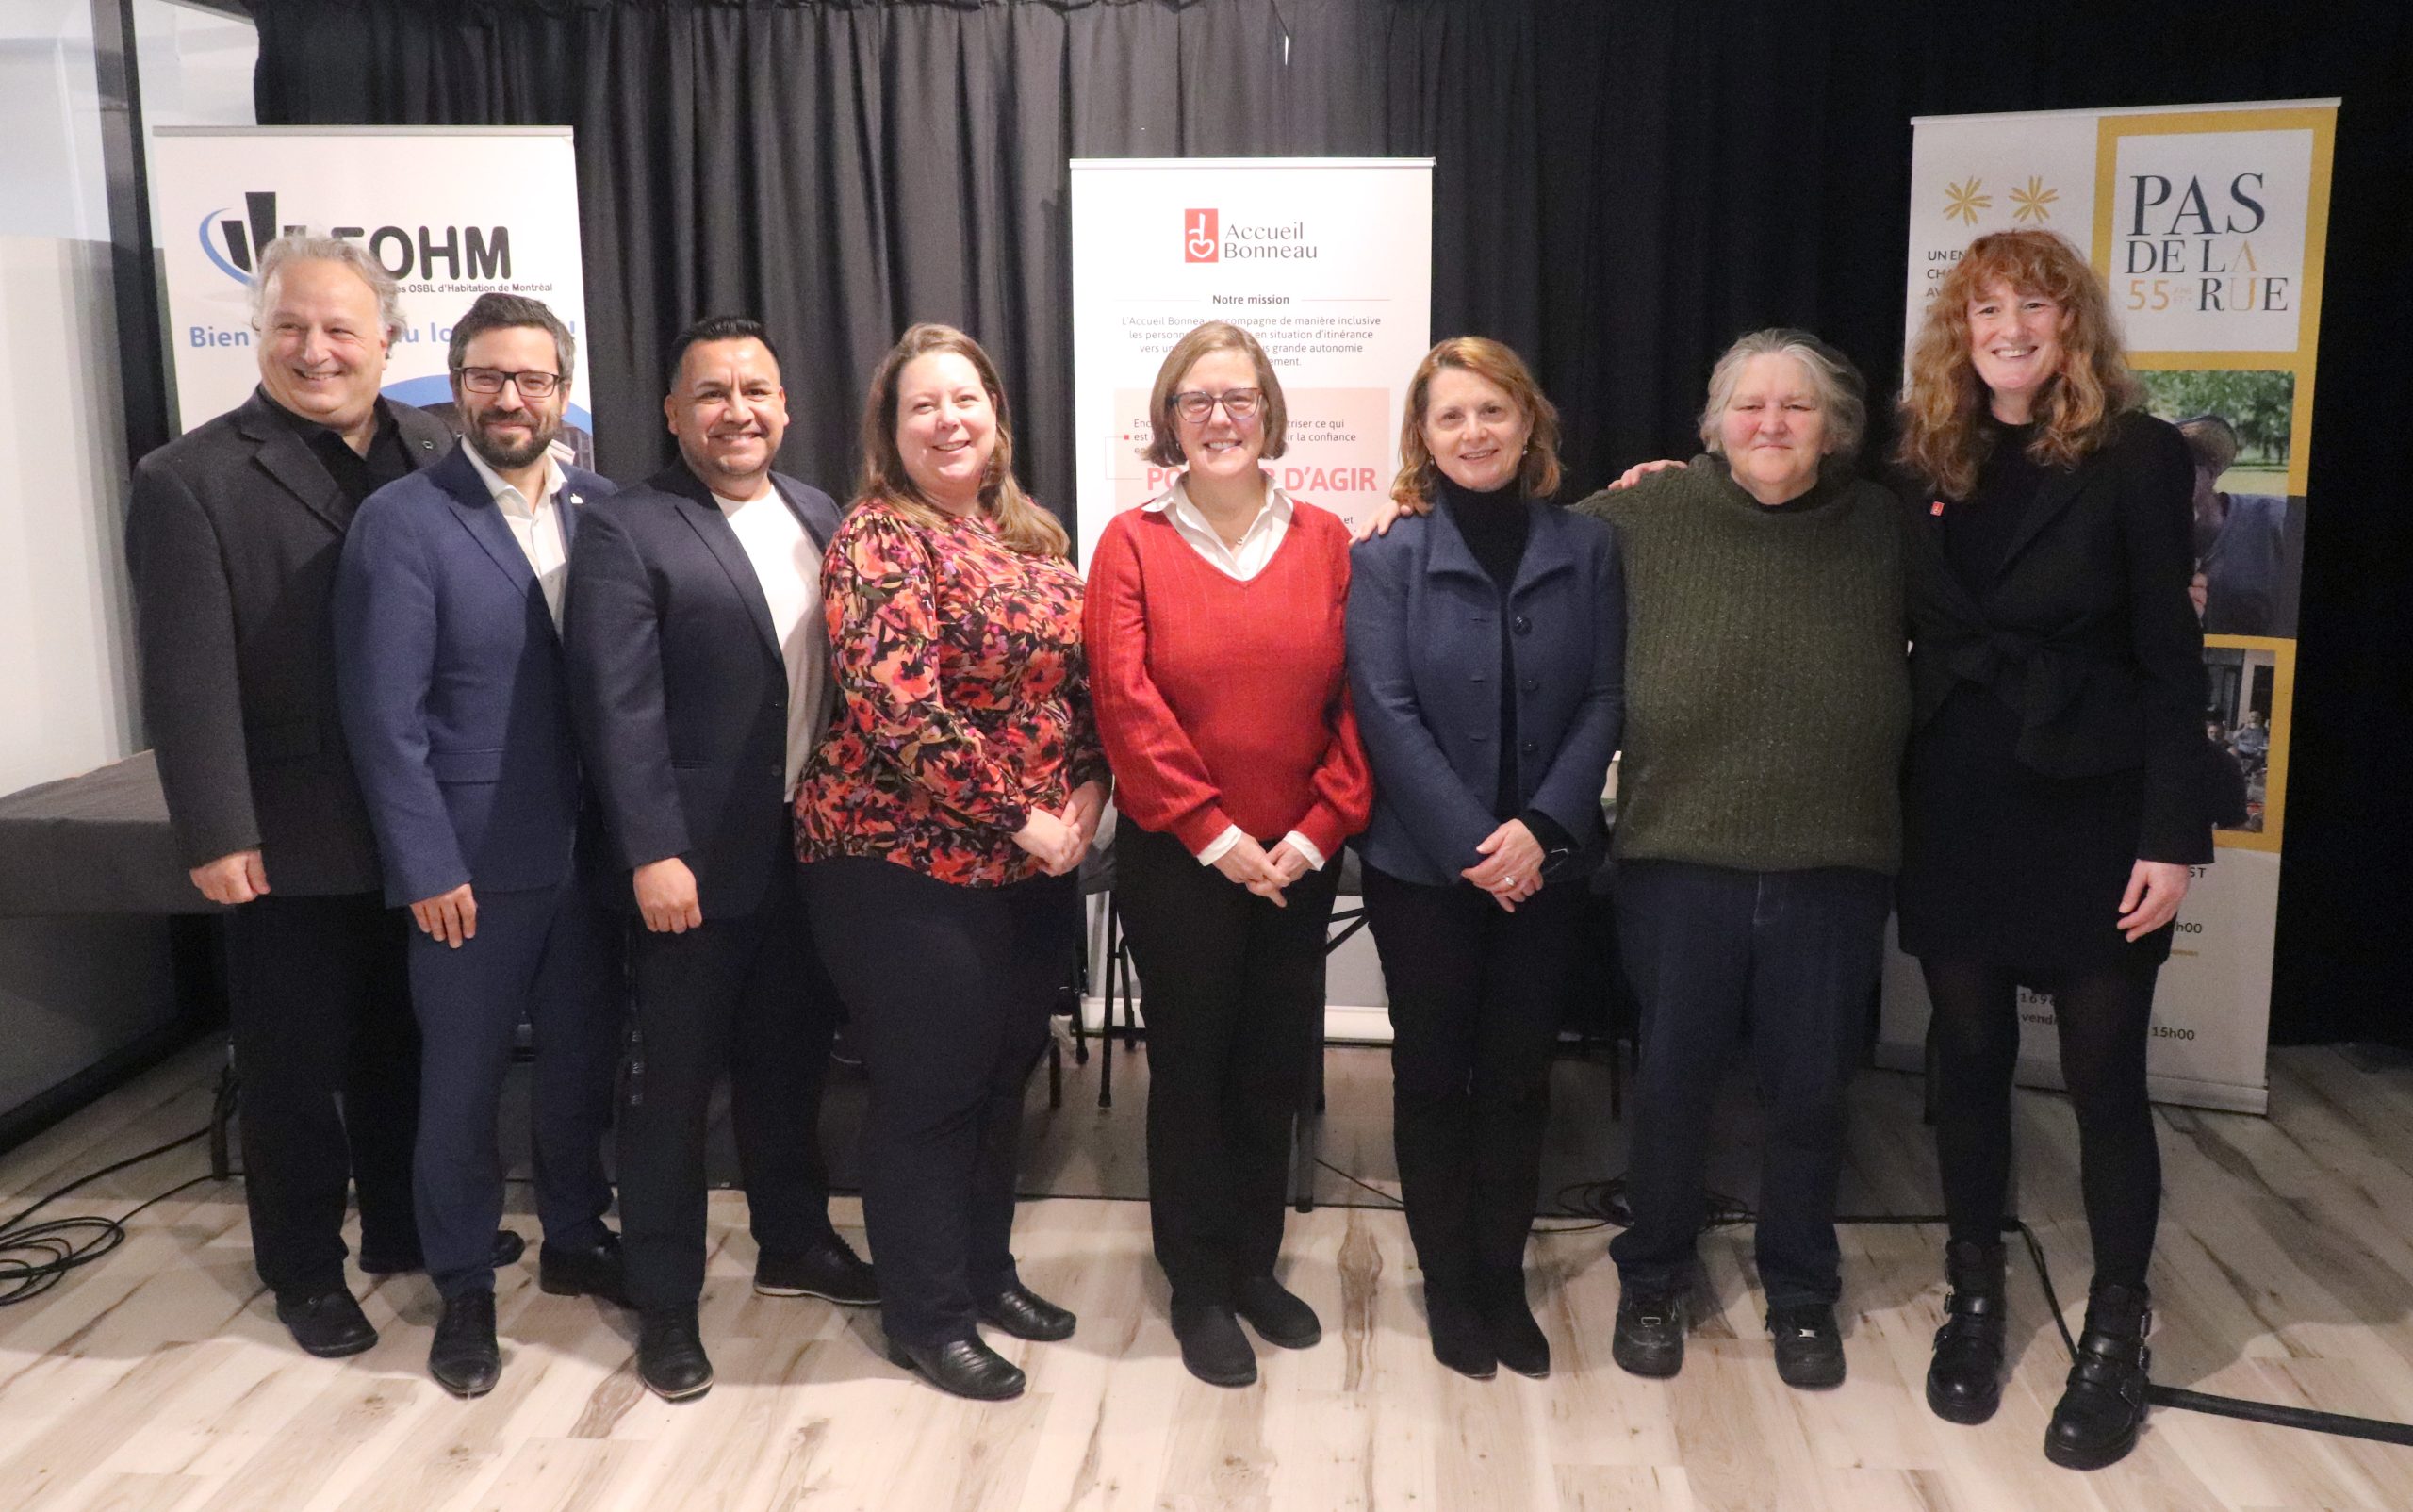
222, 1114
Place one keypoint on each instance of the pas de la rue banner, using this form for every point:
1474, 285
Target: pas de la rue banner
453, 212
2209, 224
1328, 262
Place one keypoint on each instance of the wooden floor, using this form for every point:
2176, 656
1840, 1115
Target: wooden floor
158, 1379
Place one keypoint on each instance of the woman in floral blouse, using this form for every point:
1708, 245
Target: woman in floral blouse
942, 819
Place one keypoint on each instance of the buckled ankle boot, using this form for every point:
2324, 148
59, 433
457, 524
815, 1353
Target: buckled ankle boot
2104, 1405
1965, 1380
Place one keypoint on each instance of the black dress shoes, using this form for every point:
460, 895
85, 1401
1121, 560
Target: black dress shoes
464, 1359
964, 1367
830, 1271
670, 1355
588, 1271
1024, 1313
1279, 1315
1460, 1339
329, 1324
1212, 1346
508, 1247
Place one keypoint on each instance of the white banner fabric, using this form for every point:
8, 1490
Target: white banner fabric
1328, 262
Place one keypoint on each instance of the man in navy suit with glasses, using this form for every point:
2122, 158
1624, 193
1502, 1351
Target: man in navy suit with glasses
452, 680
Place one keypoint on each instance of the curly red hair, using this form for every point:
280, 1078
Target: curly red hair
1942, 398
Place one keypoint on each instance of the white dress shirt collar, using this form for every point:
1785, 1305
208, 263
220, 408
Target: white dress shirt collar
1257, 544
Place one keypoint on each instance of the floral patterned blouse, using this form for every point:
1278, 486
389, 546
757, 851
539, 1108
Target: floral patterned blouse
963, 700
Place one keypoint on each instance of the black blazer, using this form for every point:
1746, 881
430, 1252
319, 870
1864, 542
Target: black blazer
2085, 630
232, 537
677, 688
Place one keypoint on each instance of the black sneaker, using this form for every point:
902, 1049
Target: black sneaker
1651, 1332
1809, 1347
329, 1324
830, 1271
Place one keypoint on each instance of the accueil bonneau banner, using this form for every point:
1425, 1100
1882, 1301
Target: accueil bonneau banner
2209, 224
436, 206
1328, 262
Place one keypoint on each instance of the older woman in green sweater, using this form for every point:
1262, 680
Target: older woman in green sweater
1759, 823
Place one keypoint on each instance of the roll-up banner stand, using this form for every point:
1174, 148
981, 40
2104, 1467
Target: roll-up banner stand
1328, 262
2209, 224
451, 212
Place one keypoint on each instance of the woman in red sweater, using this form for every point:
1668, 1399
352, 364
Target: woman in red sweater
1213, 622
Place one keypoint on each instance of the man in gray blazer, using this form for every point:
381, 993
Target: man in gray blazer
232, 535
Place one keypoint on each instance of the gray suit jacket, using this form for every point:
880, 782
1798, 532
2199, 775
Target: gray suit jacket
232, 536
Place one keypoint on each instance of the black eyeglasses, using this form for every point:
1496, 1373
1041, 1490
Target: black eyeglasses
1194, 405
531, 383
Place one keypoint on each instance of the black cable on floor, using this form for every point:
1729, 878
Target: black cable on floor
36, 1256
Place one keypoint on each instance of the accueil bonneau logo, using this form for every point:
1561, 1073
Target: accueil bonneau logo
1206, 239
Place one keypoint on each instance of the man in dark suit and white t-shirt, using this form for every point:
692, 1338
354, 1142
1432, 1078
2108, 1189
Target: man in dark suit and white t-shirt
700, 682
231, 537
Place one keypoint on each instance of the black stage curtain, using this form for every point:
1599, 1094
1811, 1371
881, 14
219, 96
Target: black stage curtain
1622, 185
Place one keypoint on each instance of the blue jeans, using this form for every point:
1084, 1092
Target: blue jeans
1791, 958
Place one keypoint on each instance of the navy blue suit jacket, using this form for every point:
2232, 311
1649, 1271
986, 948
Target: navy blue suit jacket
453, 686
681, 689
1424, 671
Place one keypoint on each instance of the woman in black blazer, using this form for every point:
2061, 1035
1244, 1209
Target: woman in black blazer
2054, 798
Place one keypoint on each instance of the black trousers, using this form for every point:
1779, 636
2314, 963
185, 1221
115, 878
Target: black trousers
553, 955
948, 990
329, 1061
744, 995
1233, 988
1476, 995
1793, 957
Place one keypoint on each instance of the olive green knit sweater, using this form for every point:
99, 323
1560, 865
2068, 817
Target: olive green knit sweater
1767, 695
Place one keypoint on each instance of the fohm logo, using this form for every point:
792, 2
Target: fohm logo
472, 253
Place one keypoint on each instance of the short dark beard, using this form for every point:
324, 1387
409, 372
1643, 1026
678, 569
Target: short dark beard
505, 459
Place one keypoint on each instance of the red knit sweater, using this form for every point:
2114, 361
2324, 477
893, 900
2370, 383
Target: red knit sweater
1223, 702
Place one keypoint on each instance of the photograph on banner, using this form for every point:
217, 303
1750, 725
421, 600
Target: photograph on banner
2249, 528
1326, 262
424, 202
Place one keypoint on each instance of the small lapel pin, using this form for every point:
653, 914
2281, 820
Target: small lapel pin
1936, 508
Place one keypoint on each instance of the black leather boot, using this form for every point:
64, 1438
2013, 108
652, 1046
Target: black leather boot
1965, 1380
2104, 1405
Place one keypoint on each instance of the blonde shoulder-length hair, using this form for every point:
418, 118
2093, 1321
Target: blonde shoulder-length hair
1944, 400
1019, 522
1537, 474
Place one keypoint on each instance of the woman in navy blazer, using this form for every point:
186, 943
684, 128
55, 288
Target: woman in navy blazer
2054, 797
1486, 657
